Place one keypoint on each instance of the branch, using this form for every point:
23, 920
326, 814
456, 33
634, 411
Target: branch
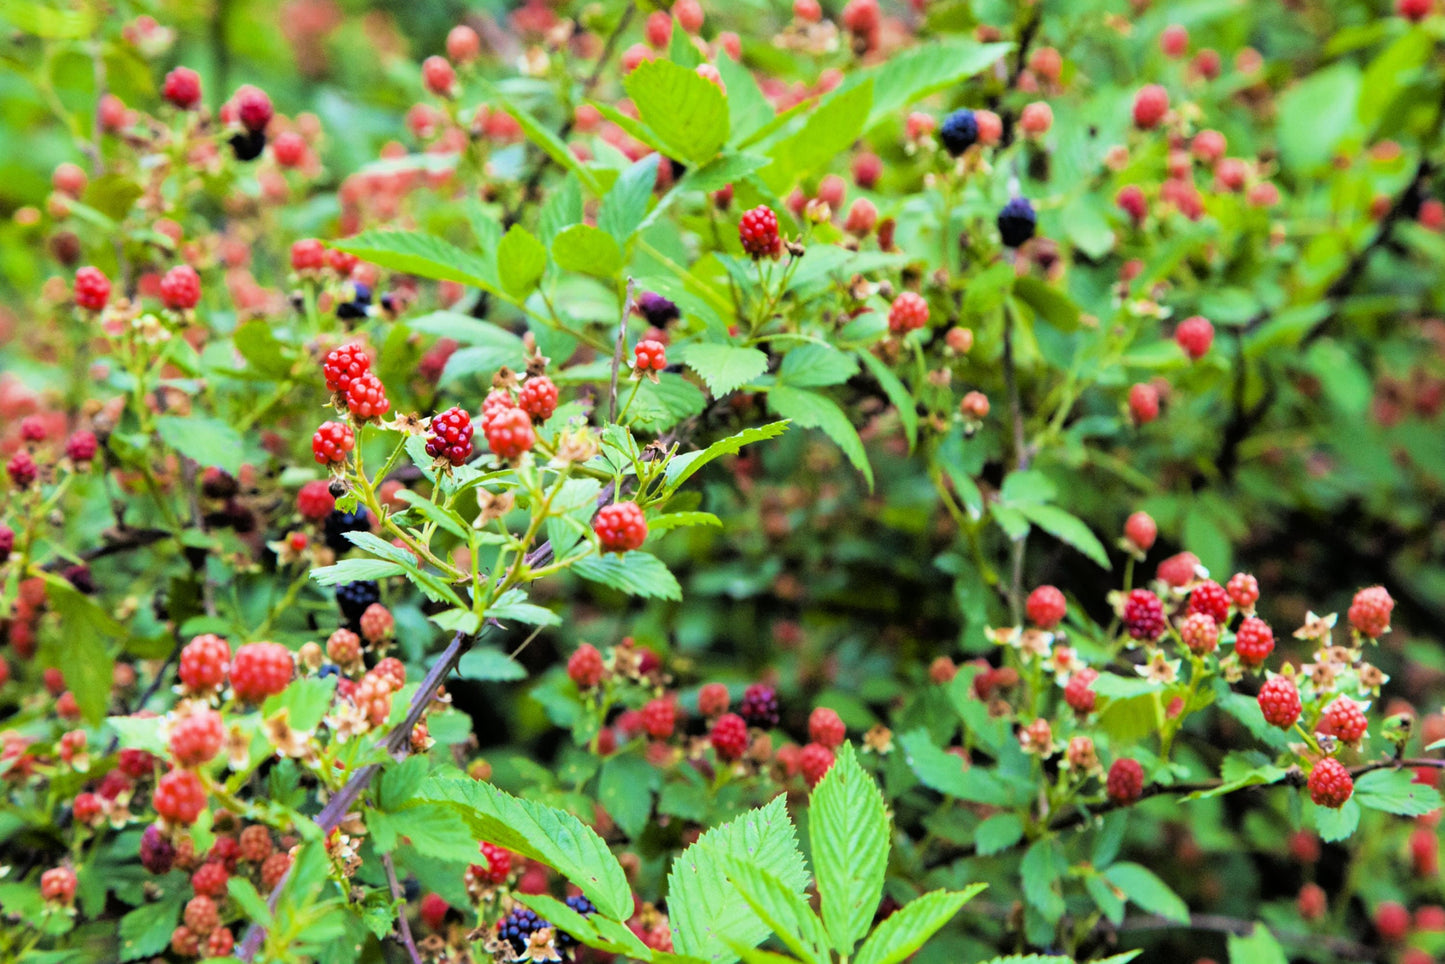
619, 350
1340, 948
396, 894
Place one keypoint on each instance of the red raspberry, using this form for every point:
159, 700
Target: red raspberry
1143, 403
58, 884
197, 738
1210, 599
826, 727
274, 869
182, 88
184, 943
1174, 41
202, 915
1392, 921
658, 29
1150, 106
1143, 615
585, 666
1370, 611
1279, 702
1424, 849
1140, 530
538, 397
308, 254
331, 443
1200, 633
204, 663
314, 501
498, 402
179, 797
22, 469
1253, 641
620, 527
650, 356
758, 232
908, 312
344, 364
451, 436
509, 434
1125, 783
499, 863
220, 943
253, 108
33, 428
366, 397
289, 149
225, 851
438, 75
1243, 591
433, 911
1195, 335
255, 845
377, 623
181, 288
729, 737
1414, 10
713, 699
139, 763
92, 288
659, 718
7, 545
815, 761
341, 262
1046, 607
87, 807
1344, 720
1312, 902
1132, 202
392, 670
1330, 784
260, 670
343, 647
81, 446
1079, 691
210, 878
1431, 918
1179, 569
463, 44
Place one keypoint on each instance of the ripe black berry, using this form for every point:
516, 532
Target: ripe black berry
582, 906
354, 597
1017, 221
518, 926
656, 309
359, 306
248, 145
339, 523
959, 131
760, 706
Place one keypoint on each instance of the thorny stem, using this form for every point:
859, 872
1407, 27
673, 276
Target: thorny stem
618, 350
403, 924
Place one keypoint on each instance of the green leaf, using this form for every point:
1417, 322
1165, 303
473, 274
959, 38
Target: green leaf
1068, 529
438, 831
208, 442
813, 365
1048, 302
521, 260
489, 666
626, 787
352, 570
1041, 872
748, 109
706, 909
1395, 791
261, 349
681, 468
513, 605
1144, 888
625, 205
541, 135
785, 911
422, 255
811, 410
1336, 824
909, 927
635, 573
662, 404
532, 829
1259, 947
725, 368
84, 656
897, 393
848, 827
398, 783
678, 520
244, 893
945, 772
588, 250
909, 75
998, 833
684, 110
830, 130
147, 929
1316, 113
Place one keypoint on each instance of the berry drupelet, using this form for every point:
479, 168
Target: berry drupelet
758, 232
353, 599
1017, 222
620, 527
518, 927
451, 436
581, 905
339, 523
759, 706
959, 131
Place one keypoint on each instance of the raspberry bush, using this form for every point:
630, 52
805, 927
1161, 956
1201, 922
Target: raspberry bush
692, 484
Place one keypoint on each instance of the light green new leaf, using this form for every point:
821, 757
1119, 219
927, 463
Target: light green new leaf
1260, 947
908, 928
208, 442
829, 131
422, 255
625, 205
532, 829
521, 260
848, 828
907, 76
785, 911
682, 108
811, 410
635, 573
1316, 113
814, 366
680, 469
82, 654
484, 665
1336, 824
897, 393
1395, 791
588, 250
705, 907
725, 368
945, 772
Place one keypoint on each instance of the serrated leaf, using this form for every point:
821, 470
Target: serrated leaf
626, 787
725, 368
438, 831
147, 929
521, 260
785, 911
848, 827
244, 893
1336, 824
513, 605
353, 570
1144, 888
945, 772
489, 666
86, 659
1040, 875
625, 205
909, 75
1259, 947
1395, 791
678, 520
208, 442
813, 366
635, 573
422, 255
1068, 529
909, 927
705, 908
897, 393
261, 349
681, 108
532, 829
681, 468
1048, 302
588, 250
831, 128
811, 410
998, 833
